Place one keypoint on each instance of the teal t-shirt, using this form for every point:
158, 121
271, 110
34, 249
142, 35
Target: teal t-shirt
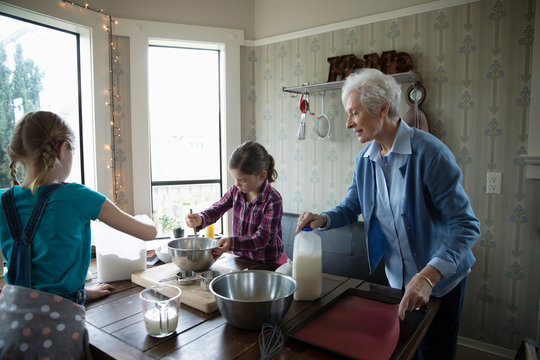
61, 246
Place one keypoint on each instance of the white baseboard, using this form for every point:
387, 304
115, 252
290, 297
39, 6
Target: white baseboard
485, 347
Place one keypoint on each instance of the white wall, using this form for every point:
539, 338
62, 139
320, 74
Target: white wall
258, 18
231, 14
277, 17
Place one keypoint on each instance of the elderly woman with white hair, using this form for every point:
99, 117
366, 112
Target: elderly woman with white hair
417, 215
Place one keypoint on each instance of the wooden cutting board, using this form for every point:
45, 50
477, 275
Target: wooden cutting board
192, 295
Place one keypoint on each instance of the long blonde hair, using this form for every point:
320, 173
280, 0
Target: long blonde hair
35, 139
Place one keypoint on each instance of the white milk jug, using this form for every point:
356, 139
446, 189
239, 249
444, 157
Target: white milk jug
307, 265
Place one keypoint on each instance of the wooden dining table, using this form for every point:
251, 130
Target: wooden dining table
116, 327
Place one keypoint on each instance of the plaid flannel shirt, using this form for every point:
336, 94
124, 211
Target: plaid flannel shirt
256, 225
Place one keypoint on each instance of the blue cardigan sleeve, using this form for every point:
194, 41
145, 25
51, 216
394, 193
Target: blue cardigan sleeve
348, 210
453, 225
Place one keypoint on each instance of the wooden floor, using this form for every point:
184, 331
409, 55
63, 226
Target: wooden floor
468, 353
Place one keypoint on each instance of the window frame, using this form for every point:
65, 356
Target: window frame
193, 181
94, 174
219, 181
80, 137
144, 33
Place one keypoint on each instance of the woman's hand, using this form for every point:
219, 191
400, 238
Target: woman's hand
193, 220
312, 220
224, 245
418, 290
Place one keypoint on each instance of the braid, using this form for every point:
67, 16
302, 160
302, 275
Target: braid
13, 172
48, 158
49, 154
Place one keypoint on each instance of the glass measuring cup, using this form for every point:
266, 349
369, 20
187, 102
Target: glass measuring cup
160, 306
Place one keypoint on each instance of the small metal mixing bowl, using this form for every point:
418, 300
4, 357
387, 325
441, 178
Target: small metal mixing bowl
248, 299
187, 255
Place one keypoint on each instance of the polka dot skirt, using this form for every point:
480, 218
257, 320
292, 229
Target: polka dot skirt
39, 325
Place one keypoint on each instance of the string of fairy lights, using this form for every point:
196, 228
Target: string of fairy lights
113, 94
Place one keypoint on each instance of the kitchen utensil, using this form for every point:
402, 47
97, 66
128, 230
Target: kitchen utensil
319, 119
304, 108
207, 277
195, 233
160, 311
301, 135
192, 295
183, 277
357, 324
187, 256
271, 341
248, 299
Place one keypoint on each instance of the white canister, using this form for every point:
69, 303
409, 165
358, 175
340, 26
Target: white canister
118, 255
307, 265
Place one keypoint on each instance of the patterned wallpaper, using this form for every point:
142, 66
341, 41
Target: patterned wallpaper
475, 63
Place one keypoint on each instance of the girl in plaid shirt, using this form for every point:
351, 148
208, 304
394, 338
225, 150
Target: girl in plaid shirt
257, 207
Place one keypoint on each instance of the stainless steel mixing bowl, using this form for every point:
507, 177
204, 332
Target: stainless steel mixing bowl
248, 299
188, 256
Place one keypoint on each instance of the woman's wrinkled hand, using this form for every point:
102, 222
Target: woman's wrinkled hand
416, 294
309, 219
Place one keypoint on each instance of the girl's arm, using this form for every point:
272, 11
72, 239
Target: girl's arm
216, 211
111, 215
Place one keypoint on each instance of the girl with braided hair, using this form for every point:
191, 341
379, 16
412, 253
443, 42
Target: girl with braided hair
257, 207
45, 238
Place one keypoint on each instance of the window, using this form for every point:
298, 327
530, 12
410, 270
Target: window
184, 116
39, 70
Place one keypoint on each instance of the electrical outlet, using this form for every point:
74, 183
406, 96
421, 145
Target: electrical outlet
493, 184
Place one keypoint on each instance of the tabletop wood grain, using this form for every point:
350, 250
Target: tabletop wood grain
116, 327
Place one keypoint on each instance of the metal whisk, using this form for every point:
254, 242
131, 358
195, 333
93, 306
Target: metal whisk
271, 341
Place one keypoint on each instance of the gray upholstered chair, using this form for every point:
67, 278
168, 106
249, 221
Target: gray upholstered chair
344, 250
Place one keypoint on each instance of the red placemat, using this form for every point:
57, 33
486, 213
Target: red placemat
356, 327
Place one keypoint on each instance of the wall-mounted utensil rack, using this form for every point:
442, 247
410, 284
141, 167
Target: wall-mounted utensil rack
401, 78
